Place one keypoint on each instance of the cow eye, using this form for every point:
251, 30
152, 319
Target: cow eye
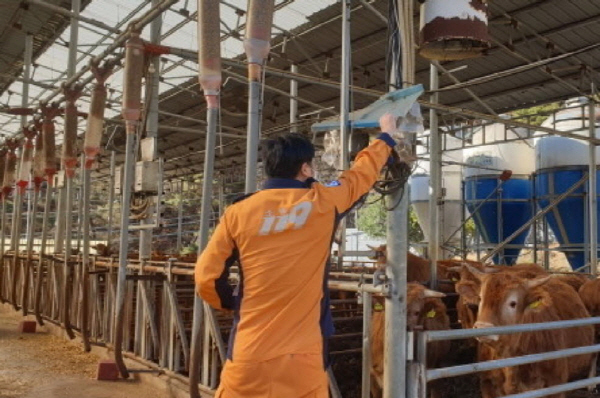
513, 304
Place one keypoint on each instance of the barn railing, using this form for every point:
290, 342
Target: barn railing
420, 375
158, 313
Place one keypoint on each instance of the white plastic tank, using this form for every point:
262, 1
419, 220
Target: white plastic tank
562, 162
420, 191
517, 156
557, 151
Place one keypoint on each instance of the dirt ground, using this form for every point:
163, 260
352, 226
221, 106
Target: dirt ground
41, 365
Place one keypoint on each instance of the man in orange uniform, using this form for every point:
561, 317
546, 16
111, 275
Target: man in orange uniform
281, 236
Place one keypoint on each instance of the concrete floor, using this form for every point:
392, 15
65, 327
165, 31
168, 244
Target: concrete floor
41, 365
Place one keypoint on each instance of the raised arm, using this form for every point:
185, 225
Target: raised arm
360, 178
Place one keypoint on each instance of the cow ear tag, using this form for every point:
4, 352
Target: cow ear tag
535, 304
378, 307
431, 314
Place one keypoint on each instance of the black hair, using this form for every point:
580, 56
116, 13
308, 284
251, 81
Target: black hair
284, 156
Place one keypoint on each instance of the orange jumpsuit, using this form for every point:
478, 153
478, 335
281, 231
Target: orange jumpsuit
281, 237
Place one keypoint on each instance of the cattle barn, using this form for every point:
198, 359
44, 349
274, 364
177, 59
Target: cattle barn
128, 128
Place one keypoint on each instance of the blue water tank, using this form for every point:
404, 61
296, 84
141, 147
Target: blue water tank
507, 208
568, 220
560, 163
509, 204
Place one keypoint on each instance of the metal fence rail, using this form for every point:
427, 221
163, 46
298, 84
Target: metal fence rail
423, 375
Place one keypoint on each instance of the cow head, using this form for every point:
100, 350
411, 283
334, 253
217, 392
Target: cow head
380, 253
504, 299
417, 296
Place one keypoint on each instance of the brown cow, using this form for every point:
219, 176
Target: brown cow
508, 299
418, 268
425, 311
590, 295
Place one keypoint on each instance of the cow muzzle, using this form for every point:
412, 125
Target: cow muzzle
486, 339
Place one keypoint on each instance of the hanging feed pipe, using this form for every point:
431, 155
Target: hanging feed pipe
132, 93
38, 178
91, 148
7, 184
69, 163
2, 220
210, 79
257, 44
22, 183
16, 223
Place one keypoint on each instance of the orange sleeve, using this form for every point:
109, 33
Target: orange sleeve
212, 268
360, 178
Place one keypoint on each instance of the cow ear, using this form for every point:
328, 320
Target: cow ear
432, 293
533, 283
476, 273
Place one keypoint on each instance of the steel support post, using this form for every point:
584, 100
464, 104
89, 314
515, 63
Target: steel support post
254, 115
145, 245
366, 345
2, 250
435, 180
593, 191
18, 201
293, 101
205, 216
86, 257
111, 198
32, 215
395, 336
180, 219
346, 74
123, 248
59, 217
69, 181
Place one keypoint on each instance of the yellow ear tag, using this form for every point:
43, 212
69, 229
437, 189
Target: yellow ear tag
535, 304
431, 314
454, 279
378, 307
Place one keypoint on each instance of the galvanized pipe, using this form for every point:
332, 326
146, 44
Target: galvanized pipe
210, 78
111, 197
69, 160
460, 370
254, 115
293, 100
435, 181
134, 61
395, 336
346, 73
366, 345
73, 15
545, 392
593, 191
257, 46
461, 334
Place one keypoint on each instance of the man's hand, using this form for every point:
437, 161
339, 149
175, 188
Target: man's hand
388, 123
